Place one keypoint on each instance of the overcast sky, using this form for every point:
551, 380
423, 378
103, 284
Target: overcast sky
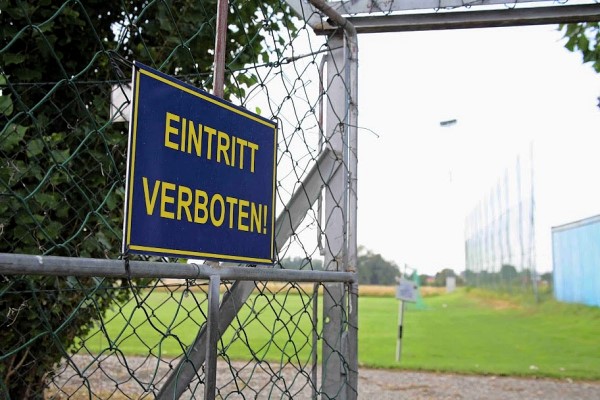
506, 87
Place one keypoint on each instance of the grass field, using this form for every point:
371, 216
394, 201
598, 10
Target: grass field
480, 332
465, 332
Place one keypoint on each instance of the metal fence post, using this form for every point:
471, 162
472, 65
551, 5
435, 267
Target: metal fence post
212, 326
340, 320
335, 229
220, 48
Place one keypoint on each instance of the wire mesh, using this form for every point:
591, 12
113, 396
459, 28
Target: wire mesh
500, 233
62, 173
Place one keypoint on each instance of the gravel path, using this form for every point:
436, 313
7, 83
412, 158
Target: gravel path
386, 384
109, 378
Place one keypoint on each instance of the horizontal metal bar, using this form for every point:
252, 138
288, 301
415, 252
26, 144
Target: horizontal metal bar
386, 6
475, 19
22, 264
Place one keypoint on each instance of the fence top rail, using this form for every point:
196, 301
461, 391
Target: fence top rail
22, 264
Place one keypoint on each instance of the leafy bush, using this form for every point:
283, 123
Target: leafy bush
62, 163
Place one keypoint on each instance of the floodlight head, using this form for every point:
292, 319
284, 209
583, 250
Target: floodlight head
449, 122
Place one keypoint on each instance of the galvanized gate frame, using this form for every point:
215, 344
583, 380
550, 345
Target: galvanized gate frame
220, 317
367, 16
336, 169
340, 309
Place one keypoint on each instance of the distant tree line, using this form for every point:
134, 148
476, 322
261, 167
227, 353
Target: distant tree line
304, 263
508, 278
373, 269
439, 279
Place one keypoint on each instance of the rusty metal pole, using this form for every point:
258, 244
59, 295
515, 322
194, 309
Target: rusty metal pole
212, 322
220, 48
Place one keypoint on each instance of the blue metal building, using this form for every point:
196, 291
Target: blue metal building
576, 261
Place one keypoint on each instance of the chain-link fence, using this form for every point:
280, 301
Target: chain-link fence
79, 320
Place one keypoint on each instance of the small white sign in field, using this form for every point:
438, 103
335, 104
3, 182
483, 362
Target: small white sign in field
406, 290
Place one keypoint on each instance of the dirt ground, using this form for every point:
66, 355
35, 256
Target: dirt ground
109, 378
386, 384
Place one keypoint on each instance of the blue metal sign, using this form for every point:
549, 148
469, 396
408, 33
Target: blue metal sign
200, 176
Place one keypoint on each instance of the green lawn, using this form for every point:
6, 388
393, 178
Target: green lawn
460, 332
469, 333
167, 322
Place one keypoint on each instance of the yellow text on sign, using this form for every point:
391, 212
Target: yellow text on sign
179, 202
187, 136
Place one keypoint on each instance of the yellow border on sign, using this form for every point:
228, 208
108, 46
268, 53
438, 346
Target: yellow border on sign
274, 183
133, 150
132, 169
199, 254
209, 99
